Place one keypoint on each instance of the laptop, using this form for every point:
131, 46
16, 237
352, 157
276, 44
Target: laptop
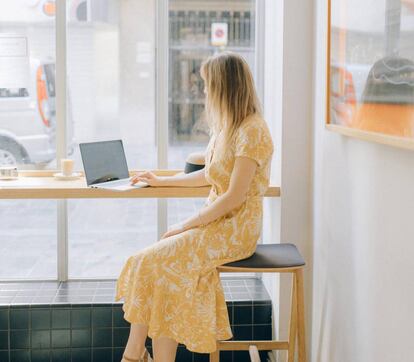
106, 167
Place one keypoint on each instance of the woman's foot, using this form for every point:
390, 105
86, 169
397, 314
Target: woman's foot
144, 358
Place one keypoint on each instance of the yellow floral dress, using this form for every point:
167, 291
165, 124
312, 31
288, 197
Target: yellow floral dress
173, 285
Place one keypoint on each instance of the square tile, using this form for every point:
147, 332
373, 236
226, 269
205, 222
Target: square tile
102, 317
88, 285
40, 355
19, 318
184, 355
242, 315
61, 355
230, 312
50, 285
105, 292
4, 318
226, 356
5, 300
120, 336
63, 299
117, 354
42, 300
60, 318
40, 318
4, 356
262, 332
19, 339
85, 292
24, 292
60, 338
201, 357
241, 356
240, 296
233, 282
264, 355
82, 355
40, 339
262, 314
81, 317
252, 281
102, 337
20, 355
118, 318
81, 338
100, 299
102, 355
23, 300
243, 333
4, 339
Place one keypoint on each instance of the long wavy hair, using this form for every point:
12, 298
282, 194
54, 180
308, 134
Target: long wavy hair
231, 95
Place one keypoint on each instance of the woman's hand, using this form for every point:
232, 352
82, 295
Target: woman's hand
148, 177
174, 230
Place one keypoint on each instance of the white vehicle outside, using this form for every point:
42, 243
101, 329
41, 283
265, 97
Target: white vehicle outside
28, 119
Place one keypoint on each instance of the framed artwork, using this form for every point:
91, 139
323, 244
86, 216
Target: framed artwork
370, 72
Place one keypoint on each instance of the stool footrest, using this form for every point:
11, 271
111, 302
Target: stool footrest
244, 345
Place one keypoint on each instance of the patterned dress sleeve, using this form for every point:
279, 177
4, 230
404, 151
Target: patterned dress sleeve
253, 140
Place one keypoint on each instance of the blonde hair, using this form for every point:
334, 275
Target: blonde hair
231, 94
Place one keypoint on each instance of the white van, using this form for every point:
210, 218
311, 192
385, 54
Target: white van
28, 119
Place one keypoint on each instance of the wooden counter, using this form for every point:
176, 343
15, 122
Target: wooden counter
42, 185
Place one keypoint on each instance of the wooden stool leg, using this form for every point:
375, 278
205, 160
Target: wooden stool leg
293, 321
301, 315
215, 356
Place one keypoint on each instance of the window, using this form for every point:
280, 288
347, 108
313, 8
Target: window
28, 237
111, 94
111, 83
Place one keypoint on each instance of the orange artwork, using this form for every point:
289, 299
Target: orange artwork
371, 66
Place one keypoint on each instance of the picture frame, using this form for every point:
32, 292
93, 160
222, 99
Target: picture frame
370, 70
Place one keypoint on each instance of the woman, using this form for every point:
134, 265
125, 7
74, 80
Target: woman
172, 289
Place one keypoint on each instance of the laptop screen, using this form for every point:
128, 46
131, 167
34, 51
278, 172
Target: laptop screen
103, 161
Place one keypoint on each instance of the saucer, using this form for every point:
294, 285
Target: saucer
8, 178
62, 177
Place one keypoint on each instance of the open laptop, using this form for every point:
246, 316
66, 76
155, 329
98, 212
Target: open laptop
106, 167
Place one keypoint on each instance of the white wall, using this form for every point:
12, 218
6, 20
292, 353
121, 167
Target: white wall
363, 241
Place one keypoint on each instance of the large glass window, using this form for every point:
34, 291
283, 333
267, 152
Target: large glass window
28, 239
111, 83
28, 242
196, 30
27, 82
111, 94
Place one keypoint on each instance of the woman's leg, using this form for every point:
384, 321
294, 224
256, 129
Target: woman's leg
164, 349
136, 341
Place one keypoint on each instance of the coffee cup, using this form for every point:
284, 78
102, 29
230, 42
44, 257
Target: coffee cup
66, 165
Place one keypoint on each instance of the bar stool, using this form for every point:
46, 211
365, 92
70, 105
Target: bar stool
273, 258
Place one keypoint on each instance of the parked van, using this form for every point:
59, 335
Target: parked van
28, 119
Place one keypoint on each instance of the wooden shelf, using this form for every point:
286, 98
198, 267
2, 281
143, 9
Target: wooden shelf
42, 185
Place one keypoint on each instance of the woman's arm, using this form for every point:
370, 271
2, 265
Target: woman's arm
193, 179
240, 180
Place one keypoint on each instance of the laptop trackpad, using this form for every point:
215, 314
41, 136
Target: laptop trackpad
129, 187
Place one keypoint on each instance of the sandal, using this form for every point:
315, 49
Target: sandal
146, 357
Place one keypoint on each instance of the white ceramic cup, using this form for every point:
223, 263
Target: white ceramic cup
66, 166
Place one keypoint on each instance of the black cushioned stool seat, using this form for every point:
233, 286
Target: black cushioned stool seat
273, 258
